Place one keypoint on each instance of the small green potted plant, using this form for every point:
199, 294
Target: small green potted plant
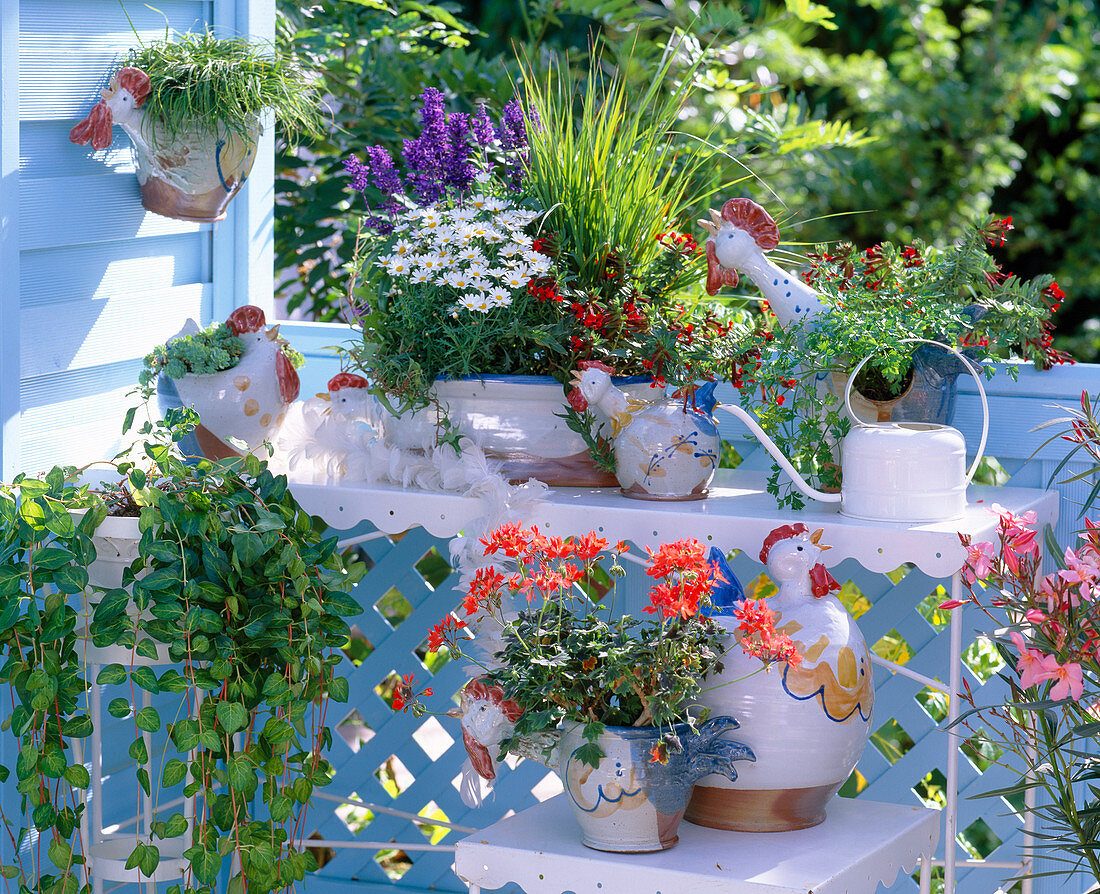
192, 106
609, 700
239, 375
879, 303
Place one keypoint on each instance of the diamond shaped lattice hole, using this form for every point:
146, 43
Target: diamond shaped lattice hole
893, 647
930, 610
853, 785
933, 702
393, 775
760, 587
852, 598
892, 741
358, 647
354, 816
979, 839
931, 789
321, 854
982, 658
395, 863
433, 833
981, 751
394, 607
547, 787
387, 687
354, 730
433, 568
433, 738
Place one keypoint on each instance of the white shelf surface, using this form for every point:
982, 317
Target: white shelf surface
860, 845
738, 514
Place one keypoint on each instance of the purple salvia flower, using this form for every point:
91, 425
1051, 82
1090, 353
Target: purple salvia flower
425, 155
360, 174
384, 175
484, 134
458, 172
512, 134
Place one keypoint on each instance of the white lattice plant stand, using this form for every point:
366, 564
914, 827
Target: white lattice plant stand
737, 515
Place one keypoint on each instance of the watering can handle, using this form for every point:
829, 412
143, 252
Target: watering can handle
780, 459
969, 368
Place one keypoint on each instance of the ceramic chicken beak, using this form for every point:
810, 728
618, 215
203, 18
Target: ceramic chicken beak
815, 539
714, 224
455, 712
111, 89
324, 395
576, 380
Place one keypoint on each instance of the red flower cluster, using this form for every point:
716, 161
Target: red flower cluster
759, 637
994, 233
681, 242
405, 695
544, 288
687, 578
445, 633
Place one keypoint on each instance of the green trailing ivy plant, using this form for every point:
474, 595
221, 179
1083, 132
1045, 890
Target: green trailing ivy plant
44, 555
249, 599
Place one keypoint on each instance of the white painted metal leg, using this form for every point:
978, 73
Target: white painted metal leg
951, 820
926, 874
96, 708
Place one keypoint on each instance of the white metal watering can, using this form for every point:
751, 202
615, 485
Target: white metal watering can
894, 471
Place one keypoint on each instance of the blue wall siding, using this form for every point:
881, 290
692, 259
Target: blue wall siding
97, 281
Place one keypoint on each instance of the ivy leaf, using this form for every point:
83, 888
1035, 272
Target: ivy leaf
149, 860
147, 719
50, 558
52, 762
135, 856
277, 730
77, 776
176, 826
232, 716
174, 772
145, 678
60, 853
241, 775
111, 675
342, 604
119, 707
79, 727
280, 808
44, 816
138, 751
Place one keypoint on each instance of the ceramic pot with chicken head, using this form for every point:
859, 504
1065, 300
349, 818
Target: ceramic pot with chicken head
247, 402
807, 722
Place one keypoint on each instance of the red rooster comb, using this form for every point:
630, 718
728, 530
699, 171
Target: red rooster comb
746, 215
347, 380
783, 533
135, 82
246, 319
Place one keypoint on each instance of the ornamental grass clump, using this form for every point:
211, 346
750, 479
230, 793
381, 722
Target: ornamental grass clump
200, 81
564, 654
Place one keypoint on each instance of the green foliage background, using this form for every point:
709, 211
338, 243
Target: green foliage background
866, 119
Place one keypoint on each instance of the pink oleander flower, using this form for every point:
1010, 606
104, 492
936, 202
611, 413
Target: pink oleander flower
1011, 524
1034, 667
979, 562
1070, 681
1080, 570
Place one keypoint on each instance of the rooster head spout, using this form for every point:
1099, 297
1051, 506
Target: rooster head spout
125, 94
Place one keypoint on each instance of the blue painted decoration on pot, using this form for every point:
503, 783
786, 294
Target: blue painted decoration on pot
631, 803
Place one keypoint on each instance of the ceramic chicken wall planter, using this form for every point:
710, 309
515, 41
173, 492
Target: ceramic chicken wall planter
191, 175
249, 401
807, 724
665, 449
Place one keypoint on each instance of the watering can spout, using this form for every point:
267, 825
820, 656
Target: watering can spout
785, 464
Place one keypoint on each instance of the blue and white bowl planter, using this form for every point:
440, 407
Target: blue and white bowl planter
631, 803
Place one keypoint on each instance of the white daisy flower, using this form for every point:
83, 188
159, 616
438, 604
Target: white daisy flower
512, 249
498, 272
402, 247
496, 205
458, 279
463, 215
516, 277
431, 261
498, 297
482, 285
475, 302
482, 177
523, 216
397, 266
478, 201
495, 236
478, 268
470, 254
420, 277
